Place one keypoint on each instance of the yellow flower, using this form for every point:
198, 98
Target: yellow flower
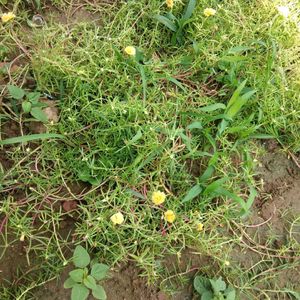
7, 17
200, 227
170, 216
158, 197
209, 12
170, 3
130, 50
117, 218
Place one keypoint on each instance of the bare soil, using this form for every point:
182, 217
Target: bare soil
126, 283
269, 226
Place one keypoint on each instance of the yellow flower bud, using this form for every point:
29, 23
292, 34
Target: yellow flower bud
117, 218
200, 227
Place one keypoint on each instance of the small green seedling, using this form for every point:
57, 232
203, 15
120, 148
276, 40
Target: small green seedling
84, 279
178, 25
29, 101
213, 289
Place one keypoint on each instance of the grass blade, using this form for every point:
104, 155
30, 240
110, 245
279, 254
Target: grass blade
192, 193
32, 137
236, 94
262, 136
239, 103
213, 107
251, 198
214, 187
144, 80
189, 10
137, 136
237, 199
195, 125
207, 174
165, 21
175, 81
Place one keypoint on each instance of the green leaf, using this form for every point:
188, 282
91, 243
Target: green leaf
218, 285
38, 4
90, 282
99, 271
79, 292
69, 283
293, 293
211, 140
192, 193
195, 125
196, 47
33, 97
175, 81
136, 194
16, 92
222, 127
99, 293
236, 93
137, 136
230, 293
38, 114
165, 21
189, 9
207, 174
237, 199
85, 175
239, 103
262, 136
32, 137
77, 275
214, 187
207, 295
139, 56
238, 49
170, 16
26, 105
201, 284
251, 198
80, 257
144, 80
186, 140
40, 105
213, 107
232, 59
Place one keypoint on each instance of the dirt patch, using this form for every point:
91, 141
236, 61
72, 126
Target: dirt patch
268, 229
127, 283
182, 270
17, 261
124, 284
75, 14
281, 192
10, 129
14, 259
